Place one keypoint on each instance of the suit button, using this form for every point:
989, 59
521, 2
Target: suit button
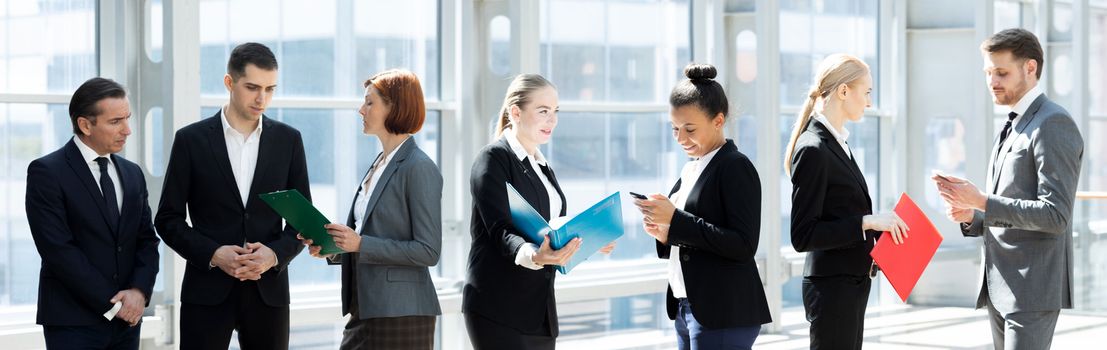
246, 216
684, 258
115, 276
119, 249
549, 275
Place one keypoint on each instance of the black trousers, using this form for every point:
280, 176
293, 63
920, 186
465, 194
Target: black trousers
486, 334
835, 306
259, 326
114, 335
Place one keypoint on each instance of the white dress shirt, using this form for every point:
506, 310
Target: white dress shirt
839, 135
242, 151
1021, 107
89, 157
689, 175
525, 256
366, 191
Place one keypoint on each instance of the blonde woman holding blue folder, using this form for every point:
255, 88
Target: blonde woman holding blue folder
393, 233
709, 225
508, 299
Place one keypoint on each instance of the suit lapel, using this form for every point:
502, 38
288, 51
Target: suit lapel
1005, 148
84, 173
690, 203
218, 146
267, 151
129, 188
531, 175
389, 169
548, 171
819, 129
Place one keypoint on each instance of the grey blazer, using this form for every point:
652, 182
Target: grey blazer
1027, 222
400, 238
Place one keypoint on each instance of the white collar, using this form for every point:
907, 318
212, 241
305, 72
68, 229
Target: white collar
520, 151
841, 136
1024, 102
87, 153
227, 125
393, 154
707, 157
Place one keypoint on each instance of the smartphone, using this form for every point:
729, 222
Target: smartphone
637, 195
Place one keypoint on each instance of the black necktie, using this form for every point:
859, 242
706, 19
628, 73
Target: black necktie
1006, 128
108, 189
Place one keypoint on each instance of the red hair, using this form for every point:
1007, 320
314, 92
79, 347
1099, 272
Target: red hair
404, 95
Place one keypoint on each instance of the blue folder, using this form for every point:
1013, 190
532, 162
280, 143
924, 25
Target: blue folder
597, 226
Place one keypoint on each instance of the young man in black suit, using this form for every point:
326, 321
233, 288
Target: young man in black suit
90, 220
236, 247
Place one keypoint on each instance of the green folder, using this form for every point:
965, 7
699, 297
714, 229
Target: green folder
298, 212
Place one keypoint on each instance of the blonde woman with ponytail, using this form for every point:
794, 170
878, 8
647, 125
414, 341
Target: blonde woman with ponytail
832, 217
508, 299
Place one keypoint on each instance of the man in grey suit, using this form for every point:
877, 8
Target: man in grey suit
1025, 212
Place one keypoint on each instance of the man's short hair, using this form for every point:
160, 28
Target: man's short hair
1020, 42
83, 103
250, 53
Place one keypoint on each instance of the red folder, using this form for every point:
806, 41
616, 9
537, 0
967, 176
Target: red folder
903, 264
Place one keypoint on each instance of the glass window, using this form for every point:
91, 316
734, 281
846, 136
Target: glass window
54, 62
811, 30
635, 51
631, 51
59, 57
323, 49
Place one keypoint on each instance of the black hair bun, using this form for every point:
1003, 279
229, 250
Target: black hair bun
700, 71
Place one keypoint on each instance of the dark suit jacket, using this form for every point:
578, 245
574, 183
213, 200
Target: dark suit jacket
717, 232
85, 258
829, 198
497, 288
199, 178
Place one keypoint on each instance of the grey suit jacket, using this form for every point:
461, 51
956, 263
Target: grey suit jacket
400, 238
1027, 222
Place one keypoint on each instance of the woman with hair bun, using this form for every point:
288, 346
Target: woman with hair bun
709, 225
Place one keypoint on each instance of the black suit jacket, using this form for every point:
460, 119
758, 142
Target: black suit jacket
199, 179
717, 232
85, 258
497, 288
829, 198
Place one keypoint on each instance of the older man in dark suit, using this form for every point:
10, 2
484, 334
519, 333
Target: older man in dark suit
89, 217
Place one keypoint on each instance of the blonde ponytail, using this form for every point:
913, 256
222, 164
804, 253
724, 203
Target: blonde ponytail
835, 70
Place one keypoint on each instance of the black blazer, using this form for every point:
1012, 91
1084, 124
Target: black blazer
199, 178
85, 258
829, 198
717, 232
497, 288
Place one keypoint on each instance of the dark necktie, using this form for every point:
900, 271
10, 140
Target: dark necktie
1006, 128
108, 189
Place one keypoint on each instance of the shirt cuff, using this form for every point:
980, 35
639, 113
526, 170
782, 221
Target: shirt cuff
114, 310
525, 256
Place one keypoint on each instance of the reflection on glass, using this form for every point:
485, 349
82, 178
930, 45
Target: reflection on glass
811, 30
596, 154
499, 37
323, 52
628, 52
27, 131
947, 137
58, 56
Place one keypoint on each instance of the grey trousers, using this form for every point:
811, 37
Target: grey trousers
1032, 330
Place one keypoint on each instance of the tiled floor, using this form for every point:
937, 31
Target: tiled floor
893, 328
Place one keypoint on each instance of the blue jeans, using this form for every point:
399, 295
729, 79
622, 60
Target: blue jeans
693, 336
